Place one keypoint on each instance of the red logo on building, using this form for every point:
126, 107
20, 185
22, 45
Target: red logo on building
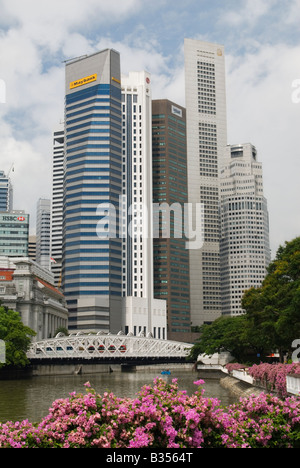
21, 218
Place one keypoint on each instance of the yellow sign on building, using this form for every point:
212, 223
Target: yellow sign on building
83, 81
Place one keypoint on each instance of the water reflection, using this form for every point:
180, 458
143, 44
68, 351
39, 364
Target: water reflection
31, 399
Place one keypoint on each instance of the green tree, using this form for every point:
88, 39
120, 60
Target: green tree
16, 336
274, 309
272, 313
225, 334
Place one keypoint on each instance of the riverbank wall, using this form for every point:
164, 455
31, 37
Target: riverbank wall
238, 383
86, 368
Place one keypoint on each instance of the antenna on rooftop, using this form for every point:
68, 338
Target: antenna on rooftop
12, 169
75, 58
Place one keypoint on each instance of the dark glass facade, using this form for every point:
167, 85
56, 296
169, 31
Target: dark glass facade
171, 258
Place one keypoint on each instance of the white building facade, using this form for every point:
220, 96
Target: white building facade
141, 312
29, 289
57, 204
43, 214
206, 142
245, 243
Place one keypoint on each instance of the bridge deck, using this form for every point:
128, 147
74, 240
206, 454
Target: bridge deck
101, 347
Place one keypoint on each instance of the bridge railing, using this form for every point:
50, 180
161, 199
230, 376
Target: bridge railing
105, 346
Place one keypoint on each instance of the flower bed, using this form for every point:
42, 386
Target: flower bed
273, 376
234, 366
160, 416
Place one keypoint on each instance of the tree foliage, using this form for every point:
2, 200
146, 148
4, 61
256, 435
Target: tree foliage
16, 336
272, 313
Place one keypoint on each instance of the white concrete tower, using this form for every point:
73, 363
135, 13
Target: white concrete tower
141, 313
245, 244
206, 142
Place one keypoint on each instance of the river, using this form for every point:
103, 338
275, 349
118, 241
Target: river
31, 398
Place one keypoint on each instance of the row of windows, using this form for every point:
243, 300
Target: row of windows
92, 101
94, 276
90, 118
109, 140
97, 90
96, 169
93, 293
97, 260
104, 123
95, 130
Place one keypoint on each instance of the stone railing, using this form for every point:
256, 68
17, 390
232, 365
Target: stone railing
293, 384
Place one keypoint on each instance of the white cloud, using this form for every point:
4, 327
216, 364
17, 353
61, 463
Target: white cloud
293, 13
261, 111
249, 13
38, 35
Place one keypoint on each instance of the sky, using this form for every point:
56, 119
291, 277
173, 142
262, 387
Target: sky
262, 45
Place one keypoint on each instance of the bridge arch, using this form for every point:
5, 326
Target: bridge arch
102, 345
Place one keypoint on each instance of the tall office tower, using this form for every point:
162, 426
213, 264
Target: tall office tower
6, 193
245, 245
171, 258
92, 187
43, 214
141, 313
206, 142
32, 248
14, 233
57, 204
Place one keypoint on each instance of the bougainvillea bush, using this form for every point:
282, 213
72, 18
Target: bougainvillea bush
270, 376
274, 375
160, 416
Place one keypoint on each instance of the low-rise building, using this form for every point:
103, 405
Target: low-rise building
29, 289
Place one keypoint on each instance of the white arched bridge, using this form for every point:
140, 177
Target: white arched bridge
108, 347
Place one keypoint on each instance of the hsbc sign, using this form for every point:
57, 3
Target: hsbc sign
13, 218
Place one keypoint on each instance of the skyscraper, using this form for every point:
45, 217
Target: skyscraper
141, 312
43, 232
171, 258
245, 245
57, 204
14, 234
92, 187
137, 185
206, 142
6, 193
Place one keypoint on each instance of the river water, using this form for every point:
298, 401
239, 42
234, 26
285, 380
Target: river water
31, 398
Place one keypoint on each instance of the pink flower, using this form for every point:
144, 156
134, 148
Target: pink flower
199, 382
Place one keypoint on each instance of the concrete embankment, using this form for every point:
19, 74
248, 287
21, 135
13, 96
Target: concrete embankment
239, 388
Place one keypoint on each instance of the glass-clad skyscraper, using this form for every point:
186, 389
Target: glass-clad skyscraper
171, 258
6, 193
92, 186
